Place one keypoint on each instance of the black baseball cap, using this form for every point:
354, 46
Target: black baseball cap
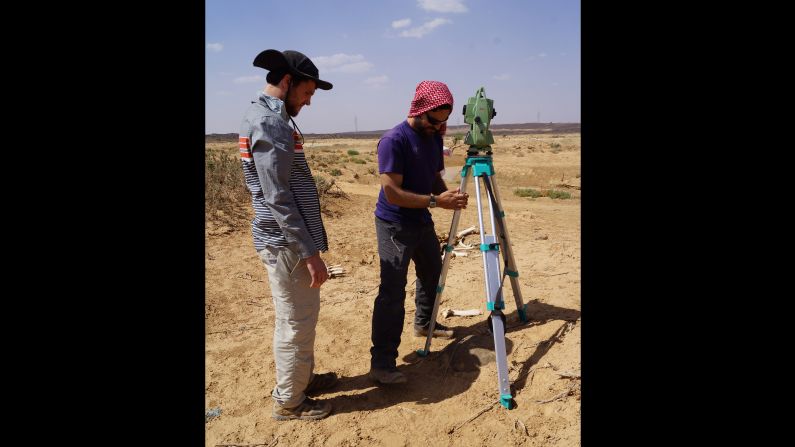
292, 61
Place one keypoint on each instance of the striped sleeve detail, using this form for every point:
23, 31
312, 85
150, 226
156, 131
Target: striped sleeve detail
306, 198
245, 149
299, 145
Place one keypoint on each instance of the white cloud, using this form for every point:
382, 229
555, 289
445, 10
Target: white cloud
426, 28
342, 63
249, 79
442, 5
377, 81
401, 23
215, 47
542, 54
356, 67
327, 62
502, 77
222, 93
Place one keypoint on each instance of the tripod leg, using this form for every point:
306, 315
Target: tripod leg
495, 303
448, 249
507, 248
503, 382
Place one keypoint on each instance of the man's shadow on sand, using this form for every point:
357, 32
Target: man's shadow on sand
452, 370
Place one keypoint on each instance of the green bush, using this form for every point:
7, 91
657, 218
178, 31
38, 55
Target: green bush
527, 192
532, 193
352, 152
552, 194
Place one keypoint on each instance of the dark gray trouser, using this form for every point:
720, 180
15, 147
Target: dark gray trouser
296, 309
398, 244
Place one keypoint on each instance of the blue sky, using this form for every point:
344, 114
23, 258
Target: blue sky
526, 53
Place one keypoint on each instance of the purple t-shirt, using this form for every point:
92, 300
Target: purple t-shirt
418, 158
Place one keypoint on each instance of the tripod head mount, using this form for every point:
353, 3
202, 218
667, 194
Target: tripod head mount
478, 112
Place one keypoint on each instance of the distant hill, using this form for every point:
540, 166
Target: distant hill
496, 129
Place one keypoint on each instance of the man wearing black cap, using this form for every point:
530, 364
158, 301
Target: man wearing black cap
287, 227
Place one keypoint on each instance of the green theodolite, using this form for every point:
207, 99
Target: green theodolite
478, 112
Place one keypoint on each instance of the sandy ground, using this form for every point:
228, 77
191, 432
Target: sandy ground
451, 396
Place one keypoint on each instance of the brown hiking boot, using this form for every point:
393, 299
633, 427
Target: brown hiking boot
308, 410
321, 382
439, 330
387, 376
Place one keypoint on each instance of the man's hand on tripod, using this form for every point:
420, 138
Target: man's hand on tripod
452, 199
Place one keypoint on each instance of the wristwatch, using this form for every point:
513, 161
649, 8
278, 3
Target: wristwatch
432, 204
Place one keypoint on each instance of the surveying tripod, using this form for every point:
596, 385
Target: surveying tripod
480, 166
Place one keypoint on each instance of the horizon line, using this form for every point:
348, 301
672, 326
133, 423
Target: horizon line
493, 126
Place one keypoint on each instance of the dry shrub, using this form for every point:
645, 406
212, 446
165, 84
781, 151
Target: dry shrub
327, 190
226, 197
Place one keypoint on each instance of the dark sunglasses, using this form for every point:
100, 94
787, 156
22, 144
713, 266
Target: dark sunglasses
433, 121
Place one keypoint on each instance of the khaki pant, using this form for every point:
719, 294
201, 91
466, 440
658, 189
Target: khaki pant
296, 308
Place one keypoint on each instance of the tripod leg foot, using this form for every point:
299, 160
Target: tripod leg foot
507, 401
522, 311
422, 352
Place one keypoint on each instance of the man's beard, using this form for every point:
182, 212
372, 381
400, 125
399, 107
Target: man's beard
290, 103
431, 131
291, 109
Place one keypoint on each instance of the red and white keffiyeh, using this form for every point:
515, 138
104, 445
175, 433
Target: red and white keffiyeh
430, 95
